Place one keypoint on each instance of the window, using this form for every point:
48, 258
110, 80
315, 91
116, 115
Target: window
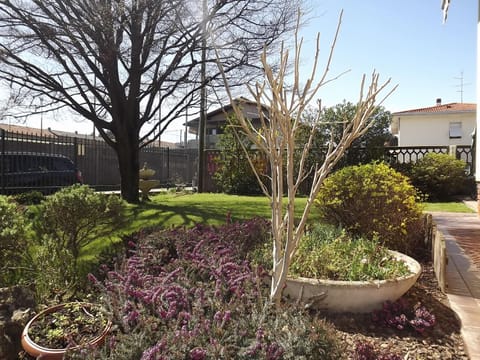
455, 130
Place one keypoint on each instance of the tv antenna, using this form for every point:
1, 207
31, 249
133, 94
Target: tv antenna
461, 85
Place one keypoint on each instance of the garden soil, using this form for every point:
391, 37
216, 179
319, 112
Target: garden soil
442, 341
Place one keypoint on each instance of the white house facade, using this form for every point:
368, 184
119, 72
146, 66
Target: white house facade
439, 125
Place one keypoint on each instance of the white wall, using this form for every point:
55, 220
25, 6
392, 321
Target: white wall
432, 129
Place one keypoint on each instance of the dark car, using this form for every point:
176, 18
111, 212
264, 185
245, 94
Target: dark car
21, 171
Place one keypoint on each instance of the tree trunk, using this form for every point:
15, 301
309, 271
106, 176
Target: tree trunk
128, 162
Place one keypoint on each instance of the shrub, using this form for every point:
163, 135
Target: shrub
13, 244
234, 174
403, 168
439, 176
66, 222
373, 200
29, 198
200, 299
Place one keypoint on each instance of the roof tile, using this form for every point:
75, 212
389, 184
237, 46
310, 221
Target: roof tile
442, 108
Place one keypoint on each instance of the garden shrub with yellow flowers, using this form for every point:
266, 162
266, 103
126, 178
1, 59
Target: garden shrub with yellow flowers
374, 200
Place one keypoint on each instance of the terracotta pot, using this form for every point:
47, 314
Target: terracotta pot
44, 353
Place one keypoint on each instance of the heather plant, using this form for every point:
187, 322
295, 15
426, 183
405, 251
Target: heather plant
200, 299
367, 351
373, 200
401, 316
13, 244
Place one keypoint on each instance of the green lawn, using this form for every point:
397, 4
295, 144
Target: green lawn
448, 207
182, 209
170, 209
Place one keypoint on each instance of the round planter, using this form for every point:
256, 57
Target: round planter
146, 173
352, 296
44, 353
146, 185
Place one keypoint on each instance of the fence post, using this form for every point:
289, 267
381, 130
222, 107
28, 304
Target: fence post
168, 164
452, 150
75, 152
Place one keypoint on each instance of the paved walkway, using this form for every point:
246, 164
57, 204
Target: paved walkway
462, 240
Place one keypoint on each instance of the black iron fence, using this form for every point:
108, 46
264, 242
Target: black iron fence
98, 162
363, 155
99, 166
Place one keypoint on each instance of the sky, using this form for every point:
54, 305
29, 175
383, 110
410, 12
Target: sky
405, 41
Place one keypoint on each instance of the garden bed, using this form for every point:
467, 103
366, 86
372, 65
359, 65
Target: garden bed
443, 341
195, 288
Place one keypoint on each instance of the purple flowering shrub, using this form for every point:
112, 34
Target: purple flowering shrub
367, 351
191, 294
399, 315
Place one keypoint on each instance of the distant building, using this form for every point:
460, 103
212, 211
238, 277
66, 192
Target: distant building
217, 119
439, 125
57, 133
48, 132
30, 130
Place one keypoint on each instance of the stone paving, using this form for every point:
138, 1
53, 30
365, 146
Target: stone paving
462, 240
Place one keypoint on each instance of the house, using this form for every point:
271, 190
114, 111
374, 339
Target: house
439, 125
217, 119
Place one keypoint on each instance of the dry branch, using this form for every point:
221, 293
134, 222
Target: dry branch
276, 138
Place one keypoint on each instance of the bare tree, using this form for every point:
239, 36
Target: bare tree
9, 103
238, 34
276, 139
118, 62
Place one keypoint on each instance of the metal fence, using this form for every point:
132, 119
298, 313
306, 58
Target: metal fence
363, 155
99, 165
411, 154
98, 162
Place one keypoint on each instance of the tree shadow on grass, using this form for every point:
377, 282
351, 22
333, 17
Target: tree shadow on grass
165, 215
156, 213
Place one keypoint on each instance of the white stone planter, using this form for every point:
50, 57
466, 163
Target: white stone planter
352, 296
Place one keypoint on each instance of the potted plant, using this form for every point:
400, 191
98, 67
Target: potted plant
334, 271
356, 296
68, 326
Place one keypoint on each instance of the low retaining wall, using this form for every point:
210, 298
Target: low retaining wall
435, 241
439, 257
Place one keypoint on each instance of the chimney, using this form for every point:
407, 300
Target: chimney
439, 101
